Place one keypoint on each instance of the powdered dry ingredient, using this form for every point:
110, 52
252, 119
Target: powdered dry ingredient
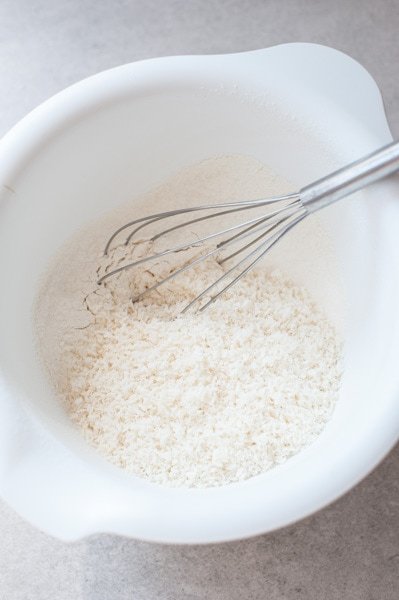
196, 399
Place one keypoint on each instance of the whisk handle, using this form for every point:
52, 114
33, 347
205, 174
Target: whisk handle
351, 178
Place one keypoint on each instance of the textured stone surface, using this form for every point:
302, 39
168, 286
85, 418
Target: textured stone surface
350, 550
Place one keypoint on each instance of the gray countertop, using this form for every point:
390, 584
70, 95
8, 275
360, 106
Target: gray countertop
348, 551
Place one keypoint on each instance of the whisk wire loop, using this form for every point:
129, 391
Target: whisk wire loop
265, 230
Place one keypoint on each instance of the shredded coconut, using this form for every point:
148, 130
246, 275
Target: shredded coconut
200, 399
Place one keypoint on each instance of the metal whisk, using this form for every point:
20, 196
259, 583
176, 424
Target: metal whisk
253, 238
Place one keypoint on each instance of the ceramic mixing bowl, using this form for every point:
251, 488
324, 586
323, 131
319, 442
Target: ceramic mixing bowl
302, 109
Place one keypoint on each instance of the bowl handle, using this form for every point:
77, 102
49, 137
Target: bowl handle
329, 73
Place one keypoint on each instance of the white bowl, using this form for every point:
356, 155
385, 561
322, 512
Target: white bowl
302, 109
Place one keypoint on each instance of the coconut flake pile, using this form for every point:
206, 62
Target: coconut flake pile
200, 399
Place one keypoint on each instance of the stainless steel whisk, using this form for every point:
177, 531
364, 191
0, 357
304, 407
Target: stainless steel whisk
261, 232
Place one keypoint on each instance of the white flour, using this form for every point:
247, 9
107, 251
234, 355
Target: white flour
200, 399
